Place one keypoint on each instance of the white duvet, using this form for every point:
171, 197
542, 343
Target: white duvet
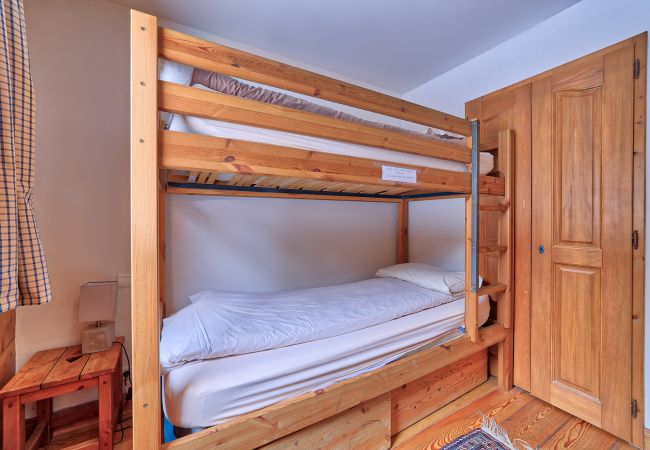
219, 324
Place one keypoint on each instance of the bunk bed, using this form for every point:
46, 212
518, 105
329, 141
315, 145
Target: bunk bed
395, 167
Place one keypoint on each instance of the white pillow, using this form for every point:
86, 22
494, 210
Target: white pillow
428, 277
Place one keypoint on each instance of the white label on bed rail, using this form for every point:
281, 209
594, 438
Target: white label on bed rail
401, 174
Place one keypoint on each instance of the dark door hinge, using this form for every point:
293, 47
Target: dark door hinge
635, 240
637, 69
635, 409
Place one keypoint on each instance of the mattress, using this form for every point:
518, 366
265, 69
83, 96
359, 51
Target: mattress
177, 73
205, 393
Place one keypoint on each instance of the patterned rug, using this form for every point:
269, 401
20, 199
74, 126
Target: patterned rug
476, 440
489, 437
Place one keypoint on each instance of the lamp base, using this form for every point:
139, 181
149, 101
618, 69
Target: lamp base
98, 338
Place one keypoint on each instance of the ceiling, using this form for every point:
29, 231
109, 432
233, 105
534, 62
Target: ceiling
394, 45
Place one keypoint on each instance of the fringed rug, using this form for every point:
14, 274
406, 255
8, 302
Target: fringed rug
489, 437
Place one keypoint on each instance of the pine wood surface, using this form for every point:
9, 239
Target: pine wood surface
519, 413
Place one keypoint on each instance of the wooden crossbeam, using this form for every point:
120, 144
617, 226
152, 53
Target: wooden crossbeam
176, 98
185, 151
492, 289
193, 51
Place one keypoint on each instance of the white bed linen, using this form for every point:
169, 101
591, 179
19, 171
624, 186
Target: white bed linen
219, 324
227, 130
205, 393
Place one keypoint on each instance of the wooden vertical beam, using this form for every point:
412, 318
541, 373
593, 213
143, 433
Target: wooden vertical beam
639, 224
505, 307
162, 242
471, 244
402, 232
145, 298
506, 167
106, 405
471, 298
13, 423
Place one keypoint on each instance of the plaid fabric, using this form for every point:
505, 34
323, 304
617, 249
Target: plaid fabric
23, 273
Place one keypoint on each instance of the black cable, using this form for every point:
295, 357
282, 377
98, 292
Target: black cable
128, 361
121, 419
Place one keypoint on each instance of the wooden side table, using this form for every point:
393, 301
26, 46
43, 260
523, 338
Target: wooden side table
50, 373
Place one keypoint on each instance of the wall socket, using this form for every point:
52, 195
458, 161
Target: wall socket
123, 280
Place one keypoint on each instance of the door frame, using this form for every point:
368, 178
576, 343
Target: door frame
522, 333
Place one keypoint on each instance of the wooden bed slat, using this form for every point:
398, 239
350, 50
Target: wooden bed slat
305, 196
193, 51
176, 98
185, 151
271, 423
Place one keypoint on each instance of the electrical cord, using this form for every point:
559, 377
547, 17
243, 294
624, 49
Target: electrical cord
128, 393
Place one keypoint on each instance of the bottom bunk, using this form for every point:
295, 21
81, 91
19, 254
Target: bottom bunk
208, 392
450, 369
348, 365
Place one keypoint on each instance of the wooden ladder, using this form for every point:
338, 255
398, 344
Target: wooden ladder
497, 276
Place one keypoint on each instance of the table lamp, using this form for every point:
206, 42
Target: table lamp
97, 303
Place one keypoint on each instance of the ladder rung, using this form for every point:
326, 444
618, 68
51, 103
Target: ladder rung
492, 289
488, 143
492, 248
498, 207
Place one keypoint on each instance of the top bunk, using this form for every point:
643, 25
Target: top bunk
221, 135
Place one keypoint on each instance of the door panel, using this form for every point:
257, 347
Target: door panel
581, 193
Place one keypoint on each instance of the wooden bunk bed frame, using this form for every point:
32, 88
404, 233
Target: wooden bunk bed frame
165, 162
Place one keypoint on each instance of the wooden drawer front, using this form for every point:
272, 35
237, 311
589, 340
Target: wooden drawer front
416, 400
366, 426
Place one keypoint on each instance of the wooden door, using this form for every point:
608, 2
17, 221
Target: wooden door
582, 149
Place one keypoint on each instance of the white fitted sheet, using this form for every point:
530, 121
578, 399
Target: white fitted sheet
205, 393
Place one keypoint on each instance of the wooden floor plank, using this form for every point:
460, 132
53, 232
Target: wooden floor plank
498, 405
535, 421
522, 416
578, 434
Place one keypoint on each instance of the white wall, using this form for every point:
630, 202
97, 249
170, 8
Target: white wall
581, 29
257, 244
431, 239
79, 57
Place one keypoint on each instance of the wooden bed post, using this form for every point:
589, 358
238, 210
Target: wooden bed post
145, 298
505, 307
472, 241
403, 232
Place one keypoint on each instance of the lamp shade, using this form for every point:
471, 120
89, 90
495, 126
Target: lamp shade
97, 301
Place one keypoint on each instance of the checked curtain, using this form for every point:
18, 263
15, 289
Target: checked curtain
23, 273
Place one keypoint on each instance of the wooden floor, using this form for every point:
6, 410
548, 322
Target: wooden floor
82, 435
523, 416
